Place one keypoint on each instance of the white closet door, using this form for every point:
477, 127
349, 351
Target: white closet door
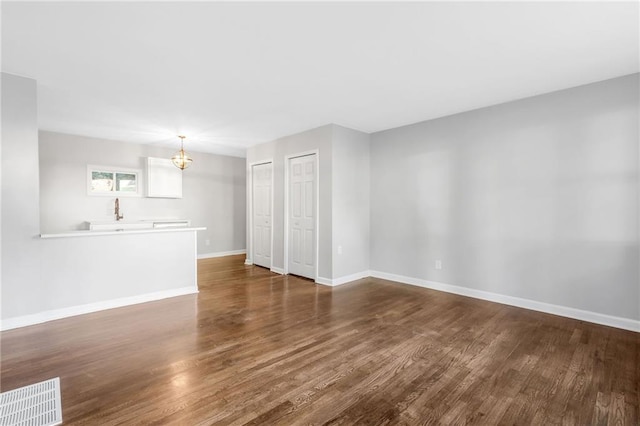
261, 205
302, 216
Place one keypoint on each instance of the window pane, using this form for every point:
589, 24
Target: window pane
126, 182
101, 181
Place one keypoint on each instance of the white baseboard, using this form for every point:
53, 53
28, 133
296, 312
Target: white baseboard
248, 262
26, 320
352, 277
343, 280
324, 281
564, 311
221, 254
277, 270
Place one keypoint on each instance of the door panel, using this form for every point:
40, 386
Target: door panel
302, 216
309, 248
309, 198
296, 248
261, 205
296, 196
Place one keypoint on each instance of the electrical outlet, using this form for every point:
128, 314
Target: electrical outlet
438, 264
339, 249
207, 242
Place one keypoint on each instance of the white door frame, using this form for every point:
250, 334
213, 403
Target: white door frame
286, 207
249, 259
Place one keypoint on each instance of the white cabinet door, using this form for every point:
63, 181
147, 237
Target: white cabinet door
164, 180
302, 216
261, 216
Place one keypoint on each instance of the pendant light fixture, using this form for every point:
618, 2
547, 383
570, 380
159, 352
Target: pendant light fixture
181, 159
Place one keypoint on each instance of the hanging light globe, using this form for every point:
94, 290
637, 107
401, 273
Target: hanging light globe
181, 159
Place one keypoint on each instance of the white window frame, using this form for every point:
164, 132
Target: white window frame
114, 169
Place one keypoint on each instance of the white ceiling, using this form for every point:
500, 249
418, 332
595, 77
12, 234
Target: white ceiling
231, 75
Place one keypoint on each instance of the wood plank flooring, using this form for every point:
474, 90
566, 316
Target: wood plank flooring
257, 348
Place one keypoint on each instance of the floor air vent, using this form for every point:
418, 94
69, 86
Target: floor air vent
34, 405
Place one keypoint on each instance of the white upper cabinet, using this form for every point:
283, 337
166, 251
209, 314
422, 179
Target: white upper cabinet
164, 180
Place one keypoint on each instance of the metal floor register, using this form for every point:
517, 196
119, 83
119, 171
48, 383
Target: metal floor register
34, 405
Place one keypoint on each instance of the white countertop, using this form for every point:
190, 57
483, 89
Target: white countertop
127, 231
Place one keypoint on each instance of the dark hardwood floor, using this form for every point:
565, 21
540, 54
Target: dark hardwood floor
258, 348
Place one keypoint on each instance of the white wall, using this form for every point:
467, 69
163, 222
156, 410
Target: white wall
316, 139
350, 202
536, 199
94, 272
213, 189
21, 274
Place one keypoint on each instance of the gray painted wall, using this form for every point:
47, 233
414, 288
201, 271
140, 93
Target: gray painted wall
344, 195
214, 189
20, 221
315, 139
536, 198
350, 201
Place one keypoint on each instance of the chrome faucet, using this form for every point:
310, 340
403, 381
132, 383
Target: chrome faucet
117, 212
